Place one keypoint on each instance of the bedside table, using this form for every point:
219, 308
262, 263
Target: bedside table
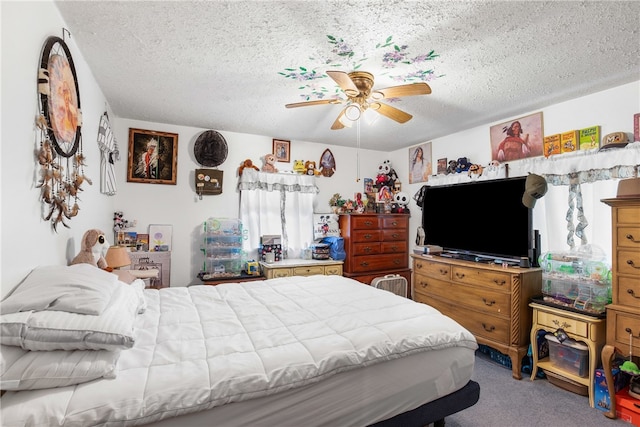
580, 327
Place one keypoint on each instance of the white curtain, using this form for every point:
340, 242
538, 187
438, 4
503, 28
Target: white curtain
280, 204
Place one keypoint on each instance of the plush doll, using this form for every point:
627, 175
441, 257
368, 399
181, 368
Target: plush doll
310, 168
298, 166
463, 164
269, 163
475, 171
452, 166
400, 202
93, 249
385, 173
247, 164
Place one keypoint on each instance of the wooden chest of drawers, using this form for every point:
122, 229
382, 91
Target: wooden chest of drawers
623, 315
376, 245
490, 301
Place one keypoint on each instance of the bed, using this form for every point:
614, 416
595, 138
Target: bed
317, 350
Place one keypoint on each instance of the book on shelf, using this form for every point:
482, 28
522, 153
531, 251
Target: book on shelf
590, 138
569, 141
551, 145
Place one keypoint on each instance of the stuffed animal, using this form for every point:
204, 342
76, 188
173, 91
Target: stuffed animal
310, 168
247, 164
452, 166
298, 166
269, 163
93, 249
400, 202
463, 164
386, 175
475, 171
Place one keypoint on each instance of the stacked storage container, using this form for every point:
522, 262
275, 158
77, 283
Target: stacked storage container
222, 247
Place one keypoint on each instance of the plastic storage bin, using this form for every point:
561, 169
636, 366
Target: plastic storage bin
569, 355
223, 255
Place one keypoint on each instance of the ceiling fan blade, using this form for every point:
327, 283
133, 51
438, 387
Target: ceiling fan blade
391, 112
345, 82
406, 90
316, 102
338, 123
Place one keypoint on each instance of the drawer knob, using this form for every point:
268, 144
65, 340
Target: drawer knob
630, 237
368, 236
460, 275
418, 265
632, 264
564, 325
423, 284
394, 223
488, 328
367, 249
443, 271
499, 282
368, 223
396, 261
364, 263
630, 292
488, 303
395, 235
630, 332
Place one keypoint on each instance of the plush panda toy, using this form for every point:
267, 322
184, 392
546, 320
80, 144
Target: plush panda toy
400, 203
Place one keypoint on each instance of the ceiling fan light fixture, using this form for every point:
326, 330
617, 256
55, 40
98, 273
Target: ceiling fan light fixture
352, 112
376, 95
345, 121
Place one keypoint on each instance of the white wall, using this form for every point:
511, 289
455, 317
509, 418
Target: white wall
28, 240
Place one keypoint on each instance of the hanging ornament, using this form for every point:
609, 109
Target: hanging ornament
60, 155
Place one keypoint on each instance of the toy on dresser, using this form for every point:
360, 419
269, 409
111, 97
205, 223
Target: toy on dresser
269, 163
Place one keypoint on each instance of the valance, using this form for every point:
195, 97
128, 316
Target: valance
255, 180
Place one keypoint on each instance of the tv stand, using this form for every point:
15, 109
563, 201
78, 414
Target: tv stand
490, 300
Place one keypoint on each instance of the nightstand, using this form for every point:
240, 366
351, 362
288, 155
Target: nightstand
580, 327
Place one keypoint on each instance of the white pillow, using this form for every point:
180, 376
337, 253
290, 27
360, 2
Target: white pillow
113, 329
80, 288
30, 370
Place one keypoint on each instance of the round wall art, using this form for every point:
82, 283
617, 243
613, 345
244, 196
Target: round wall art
210, 149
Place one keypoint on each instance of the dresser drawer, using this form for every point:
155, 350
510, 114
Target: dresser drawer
628, 262
366, 236
333, 270
497, 303
366, 248
433, 269
363, 264
395, 235
393, 247
628, 215
278, 272
488, 278
627, 291
621, 324
554, 321
365, 222
395, 222
478, 323
308, 270
629, 237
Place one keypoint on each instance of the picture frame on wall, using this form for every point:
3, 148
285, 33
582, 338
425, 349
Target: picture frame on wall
517, 139
420, 163
282, 150
160, 237
153, 157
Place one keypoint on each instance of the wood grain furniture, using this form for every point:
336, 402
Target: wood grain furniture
491, 301
580, 327
376, 245
300, 267
623, 314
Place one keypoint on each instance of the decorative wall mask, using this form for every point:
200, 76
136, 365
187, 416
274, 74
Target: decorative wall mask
59, 122
210, 149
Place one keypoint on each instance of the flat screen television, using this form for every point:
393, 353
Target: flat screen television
483, 219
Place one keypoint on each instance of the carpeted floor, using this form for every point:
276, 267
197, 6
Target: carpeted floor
505, 402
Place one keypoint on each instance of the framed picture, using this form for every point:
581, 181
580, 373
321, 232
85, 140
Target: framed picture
442, 166
160, 237
153, 157
420, 163
517, 139
282, 150
636, 127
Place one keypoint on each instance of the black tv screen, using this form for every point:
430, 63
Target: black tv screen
482, 217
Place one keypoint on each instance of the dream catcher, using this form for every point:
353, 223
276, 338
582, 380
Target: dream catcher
60, 119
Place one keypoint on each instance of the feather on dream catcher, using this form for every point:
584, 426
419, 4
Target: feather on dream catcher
60, 120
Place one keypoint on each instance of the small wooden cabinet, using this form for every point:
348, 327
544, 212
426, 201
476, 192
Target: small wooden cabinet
623, 315
580, 327
300, 267
490, 300
376, 245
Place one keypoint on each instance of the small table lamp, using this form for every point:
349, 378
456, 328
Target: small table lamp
117, 256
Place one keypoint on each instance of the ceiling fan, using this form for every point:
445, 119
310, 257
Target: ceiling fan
357, 86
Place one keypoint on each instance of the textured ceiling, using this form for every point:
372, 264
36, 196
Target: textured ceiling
217, 64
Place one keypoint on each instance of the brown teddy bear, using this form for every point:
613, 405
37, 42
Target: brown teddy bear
93, 249
269, 163
310, 168
247, 164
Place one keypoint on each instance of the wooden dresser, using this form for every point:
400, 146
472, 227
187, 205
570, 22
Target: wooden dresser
301, 267
491, 301
623, 314
376, 245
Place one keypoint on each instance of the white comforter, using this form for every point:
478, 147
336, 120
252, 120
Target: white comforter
203, 346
